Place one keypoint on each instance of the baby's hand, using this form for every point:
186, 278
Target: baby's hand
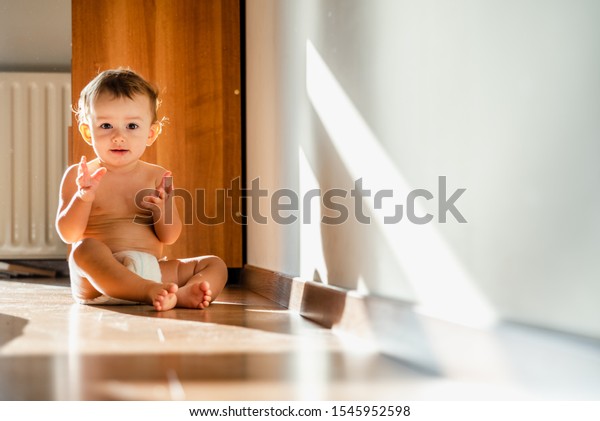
86, 183
165, 189
163, 192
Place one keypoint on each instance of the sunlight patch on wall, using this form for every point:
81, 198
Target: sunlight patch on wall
312, 262
443, 288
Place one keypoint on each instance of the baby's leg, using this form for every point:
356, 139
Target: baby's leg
95, 271
200, 279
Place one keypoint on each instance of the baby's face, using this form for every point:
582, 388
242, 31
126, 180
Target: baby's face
121, 129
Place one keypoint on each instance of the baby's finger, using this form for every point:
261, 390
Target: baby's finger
83, 164
151, 203
83, 173
98, 174
83, 179
151, 200
166, 185
167, 182
159, 193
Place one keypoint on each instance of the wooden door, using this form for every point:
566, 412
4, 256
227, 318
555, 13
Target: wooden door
190, 49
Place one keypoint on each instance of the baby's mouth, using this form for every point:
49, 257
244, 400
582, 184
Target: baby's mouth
117, 152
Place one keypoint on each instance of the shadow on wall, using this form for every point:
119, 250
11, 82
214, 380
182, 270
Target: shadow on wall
453, 89
354, 252
430, 273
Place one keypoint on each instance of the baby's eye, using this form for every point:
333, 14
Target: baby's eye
132, 126
106, 126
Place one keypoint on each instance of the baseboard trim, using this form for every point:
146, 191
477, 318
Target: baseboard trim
275, 286
436, 347
326, 305
384, 323
329, 306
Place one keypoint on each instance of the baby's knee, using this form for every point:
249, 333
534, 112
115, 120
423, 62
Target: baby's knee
85, 249
218, 264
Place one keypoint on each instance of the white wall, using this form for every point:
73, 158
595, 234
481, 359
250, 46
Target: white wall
501, 97
35, 35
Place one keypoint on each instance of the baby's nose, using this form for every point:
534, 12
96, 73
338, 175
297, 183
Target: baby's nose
118, 137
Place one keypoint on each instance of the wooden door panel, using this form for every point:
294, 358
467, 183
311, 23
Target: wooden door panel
190, 49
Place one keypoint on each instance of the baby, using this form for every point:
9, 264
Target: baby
116, 253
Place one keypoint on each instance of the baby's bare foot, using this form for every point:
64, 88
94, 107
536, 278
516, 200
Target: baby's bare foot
165, 298
194, 295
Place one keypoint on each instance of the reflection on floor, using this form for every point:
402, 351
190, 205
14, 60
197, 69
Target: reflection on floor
244, 347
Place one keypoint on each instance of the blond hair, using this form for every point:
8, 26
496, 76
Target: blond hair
120, 83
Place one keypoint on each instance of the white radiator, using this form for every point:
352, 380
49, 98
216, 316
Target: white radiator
35, 113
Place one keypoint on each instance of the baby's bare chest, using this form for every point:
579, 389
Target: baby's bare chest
121, 198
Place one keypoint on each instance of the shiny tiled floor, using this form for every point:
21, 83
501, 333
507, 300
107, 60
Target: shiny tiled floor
244, 347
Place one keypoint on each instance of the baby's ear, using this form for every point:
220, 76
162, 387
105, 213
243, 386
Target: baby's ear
155, 130
86, 133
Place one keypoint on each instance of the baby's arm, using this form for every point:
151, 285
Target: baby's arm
167, 224
77, 192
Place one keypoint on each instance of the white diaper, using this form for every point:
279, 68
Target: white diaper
140, 263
